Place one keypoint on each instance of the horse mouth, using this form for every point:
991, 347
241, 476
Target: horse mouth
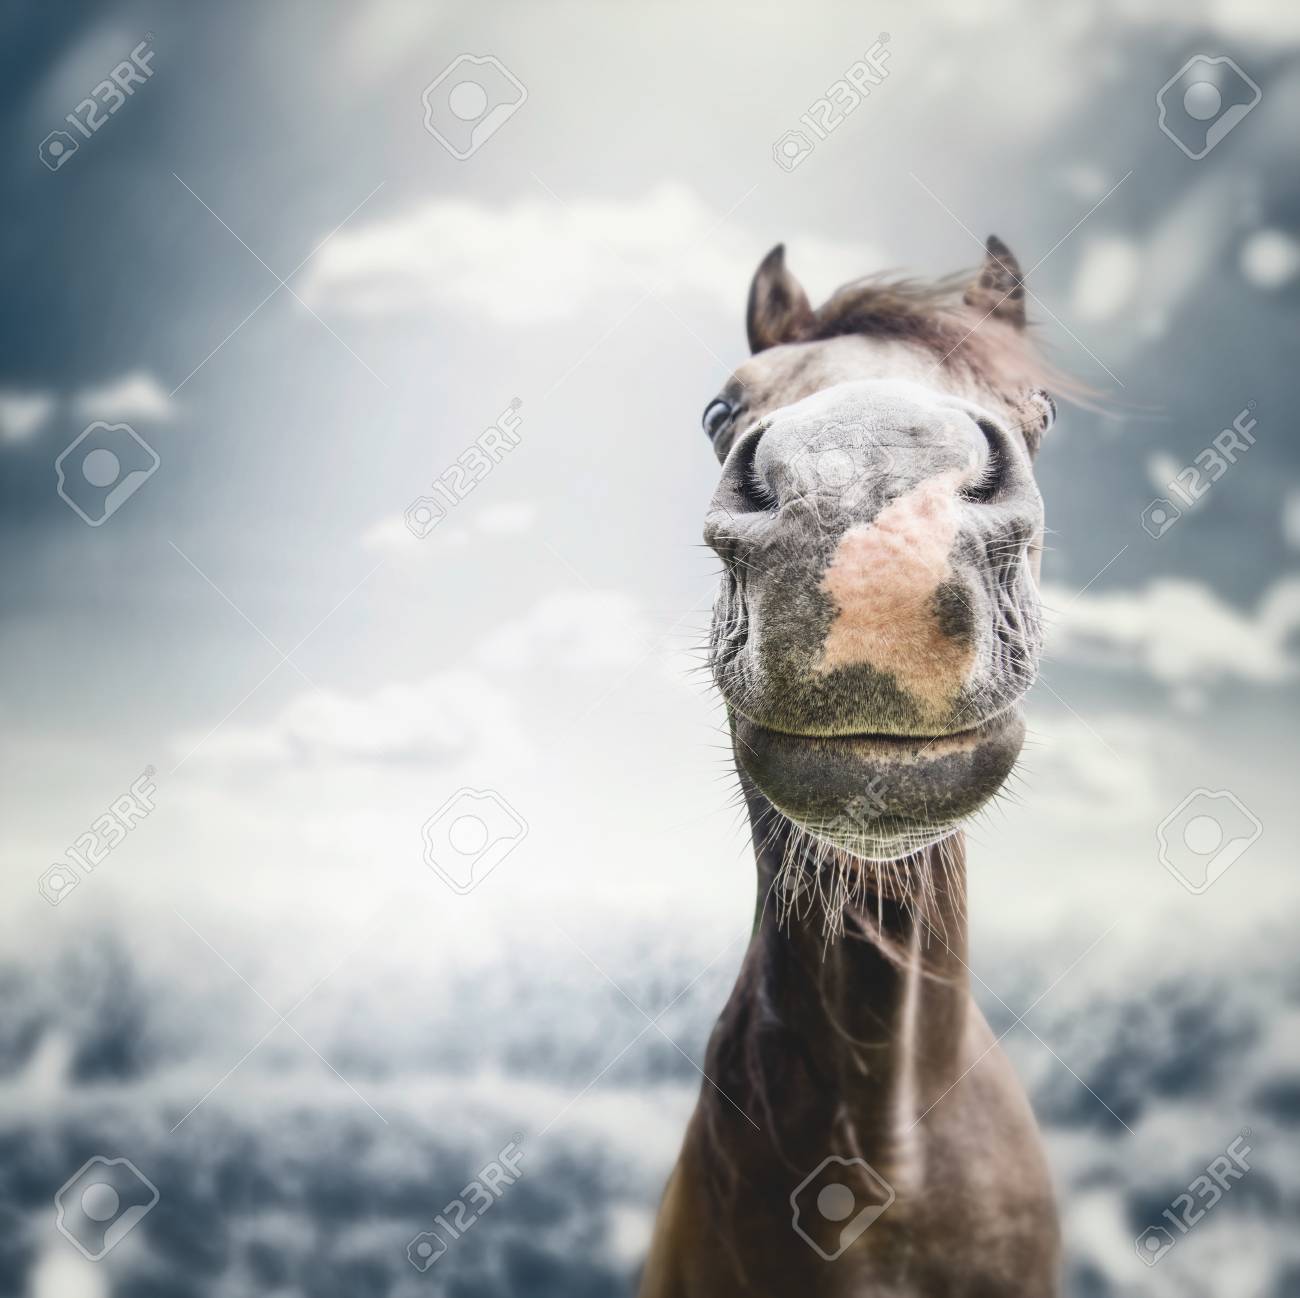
879, 796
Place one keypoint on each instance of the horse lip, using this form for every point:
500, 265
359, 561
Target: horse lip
941, 739
874, 794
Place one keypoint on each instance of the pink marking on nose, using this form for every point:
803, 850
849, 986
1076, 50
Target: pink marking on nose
883, 578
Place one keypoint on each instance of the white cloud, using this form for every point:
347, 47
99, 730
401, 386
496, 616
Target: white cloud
371, 43
578, 630
1098, 1227
1180, 632
450, 717
134, 396
1265, 21
1291, 518
1269, 258
1162, 469
509, 518
1139, 282
23, 413
630, 1229
1182, 246
1106, 277
60, 1273
539, 259
1086, 181
1083, 768
391, 536
440, 719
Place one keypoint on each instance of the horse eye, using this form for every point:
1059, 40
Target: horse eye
716, 415
1048, 406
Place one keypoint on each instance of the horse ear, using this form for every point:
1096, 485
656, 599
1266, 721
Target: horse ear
999, 289
778, 306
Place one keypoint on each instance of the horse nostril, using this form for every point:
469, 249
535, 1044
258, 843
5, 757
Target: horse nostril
746, 489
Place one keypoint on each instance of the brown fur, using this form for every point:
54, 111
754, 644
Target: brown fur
851, 1032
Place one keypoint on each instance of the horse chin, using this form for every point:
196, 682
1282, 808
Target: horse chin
879, 797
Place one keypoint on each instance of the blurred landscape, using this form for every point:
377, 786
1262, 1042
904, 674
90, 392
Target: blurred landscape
288, 1180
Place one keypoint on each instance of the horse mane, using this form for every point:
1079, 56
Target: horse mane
999, 356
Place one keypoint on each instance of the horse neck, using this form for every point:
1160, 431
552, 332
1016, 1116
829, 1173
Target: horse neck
841, 1042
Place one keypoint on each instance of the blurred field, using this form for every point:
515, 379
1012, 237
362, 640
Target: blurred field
287, 1181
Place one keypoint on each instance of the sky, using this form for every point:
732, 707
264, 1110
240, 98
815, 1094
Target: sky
267, 264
